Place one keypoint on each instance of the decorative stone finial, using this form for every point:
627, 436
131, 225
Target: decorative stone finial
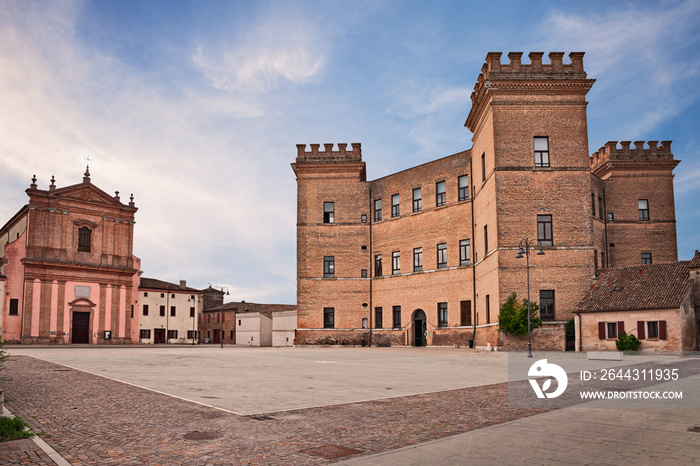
86, 175
52, 186
131, 203
116, 196
33, 185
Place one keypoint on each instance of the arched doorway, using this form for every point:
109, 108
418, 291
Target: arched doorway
420, 333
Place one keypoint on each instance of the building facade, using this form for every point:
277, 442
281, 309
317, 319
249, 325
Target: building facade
167, 312
427, 256
247, 324
68, 267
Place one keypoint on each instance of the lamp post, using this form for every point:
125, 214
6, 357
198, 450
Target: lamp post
525, 245
221, 317
193, 300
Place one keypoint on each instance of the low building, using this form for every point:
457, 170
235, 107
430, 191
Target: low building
248, 324
167, 312
657, 303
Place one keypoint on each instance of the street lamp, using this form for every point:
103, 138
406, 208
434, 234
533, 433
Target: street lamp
193, 300
221, 317
525, 245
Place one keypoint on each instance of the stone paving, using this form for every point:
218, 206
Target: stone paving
89, 419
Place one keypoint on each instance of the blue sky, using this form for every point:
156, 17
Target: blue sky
196, 107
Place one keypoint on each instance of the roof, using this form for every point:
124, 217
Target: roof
154, 284
645, 287
695, 261
251, 307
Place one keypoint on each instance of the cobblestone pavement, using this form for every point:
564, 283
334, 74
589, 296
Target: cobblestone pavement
23, 451
88, 419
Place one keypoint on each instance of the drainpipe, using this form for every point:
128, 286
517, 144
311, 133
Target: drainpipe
371, 272
473, 250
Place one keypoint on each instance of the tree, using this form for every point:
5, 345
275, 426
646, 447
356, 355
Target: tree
627, 342
512, 319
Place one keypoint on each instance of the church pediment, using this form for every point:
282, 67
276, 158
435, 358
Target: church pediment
86, 192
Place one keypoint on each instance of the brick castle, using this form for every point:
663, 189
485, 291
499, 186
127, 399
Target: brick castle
427, 256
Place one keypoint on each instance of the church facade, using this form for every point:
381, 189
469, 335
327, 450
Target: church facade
428, 255
67, 269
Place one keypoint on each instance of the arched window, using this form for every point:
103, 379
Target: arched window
84, 239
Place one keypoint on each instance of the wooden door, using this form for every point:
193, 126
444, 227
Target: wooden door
158, 335
81, 328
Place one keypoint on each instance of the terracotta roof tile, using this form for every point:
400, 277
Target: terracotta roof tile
695, 262
653, 286
154, 284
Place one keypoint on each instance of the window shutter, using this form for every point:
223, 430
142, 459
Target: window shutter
601, 330
620, 327
640, 329
662, 330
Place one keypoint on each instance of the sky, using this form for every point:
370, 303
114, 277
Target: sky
196, 107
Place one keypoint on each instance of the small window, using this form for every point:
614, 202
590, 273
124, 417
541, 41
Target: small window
378, 318
483, 167
190, 334
172, 311
363, 273
653, 329
162, 295
418, 259
463, 183
378, 265
442, 314
232, 334
646, 258
395, 205
162, 311
442, 256
363, 218
84, 239
191, 312
328, 266
396, 262
377, 210
172, 295
600, 208
611, 217
602, 260
465, 252
172, 334
486, 240
145, 334
611, 328
328, 212
396, 312
417, 200
547, 304
643, 209
465, 313
440, 194
541, 151
14, 307
364, 322
145, 309
328, 317
145, 294
544, 230
487, 305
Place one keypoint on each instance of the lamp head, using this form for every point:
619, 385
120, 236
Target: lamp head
540, 252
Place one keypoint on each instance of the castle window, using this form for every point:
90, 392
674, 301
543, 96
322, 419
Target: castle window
378, 318
417, 259
377, 210
378, 265
600, 208
395, 205
486, 240
442, 256
547, 304
442, 314
145, 309
464, 252
440, 194
488, 309
417, 200
465, 313
329, 267
363, 218
396, 312
328, 212
14, 307
84, 239
541, 151
483, 167
463, 183
396, 262
646, 258
544, 230
643, 209
611, 217
363, 273
328, 317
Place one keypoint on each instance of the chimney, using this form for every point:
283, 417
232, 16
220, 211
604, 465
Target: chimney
183, 284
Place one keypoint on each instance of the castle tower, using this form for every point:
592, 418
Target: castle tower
333, 248
638, 224
531, 180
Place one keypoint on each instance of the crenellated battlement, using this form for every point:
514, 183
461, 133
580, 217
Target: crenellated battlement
328, 155
533, 77
610, 152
